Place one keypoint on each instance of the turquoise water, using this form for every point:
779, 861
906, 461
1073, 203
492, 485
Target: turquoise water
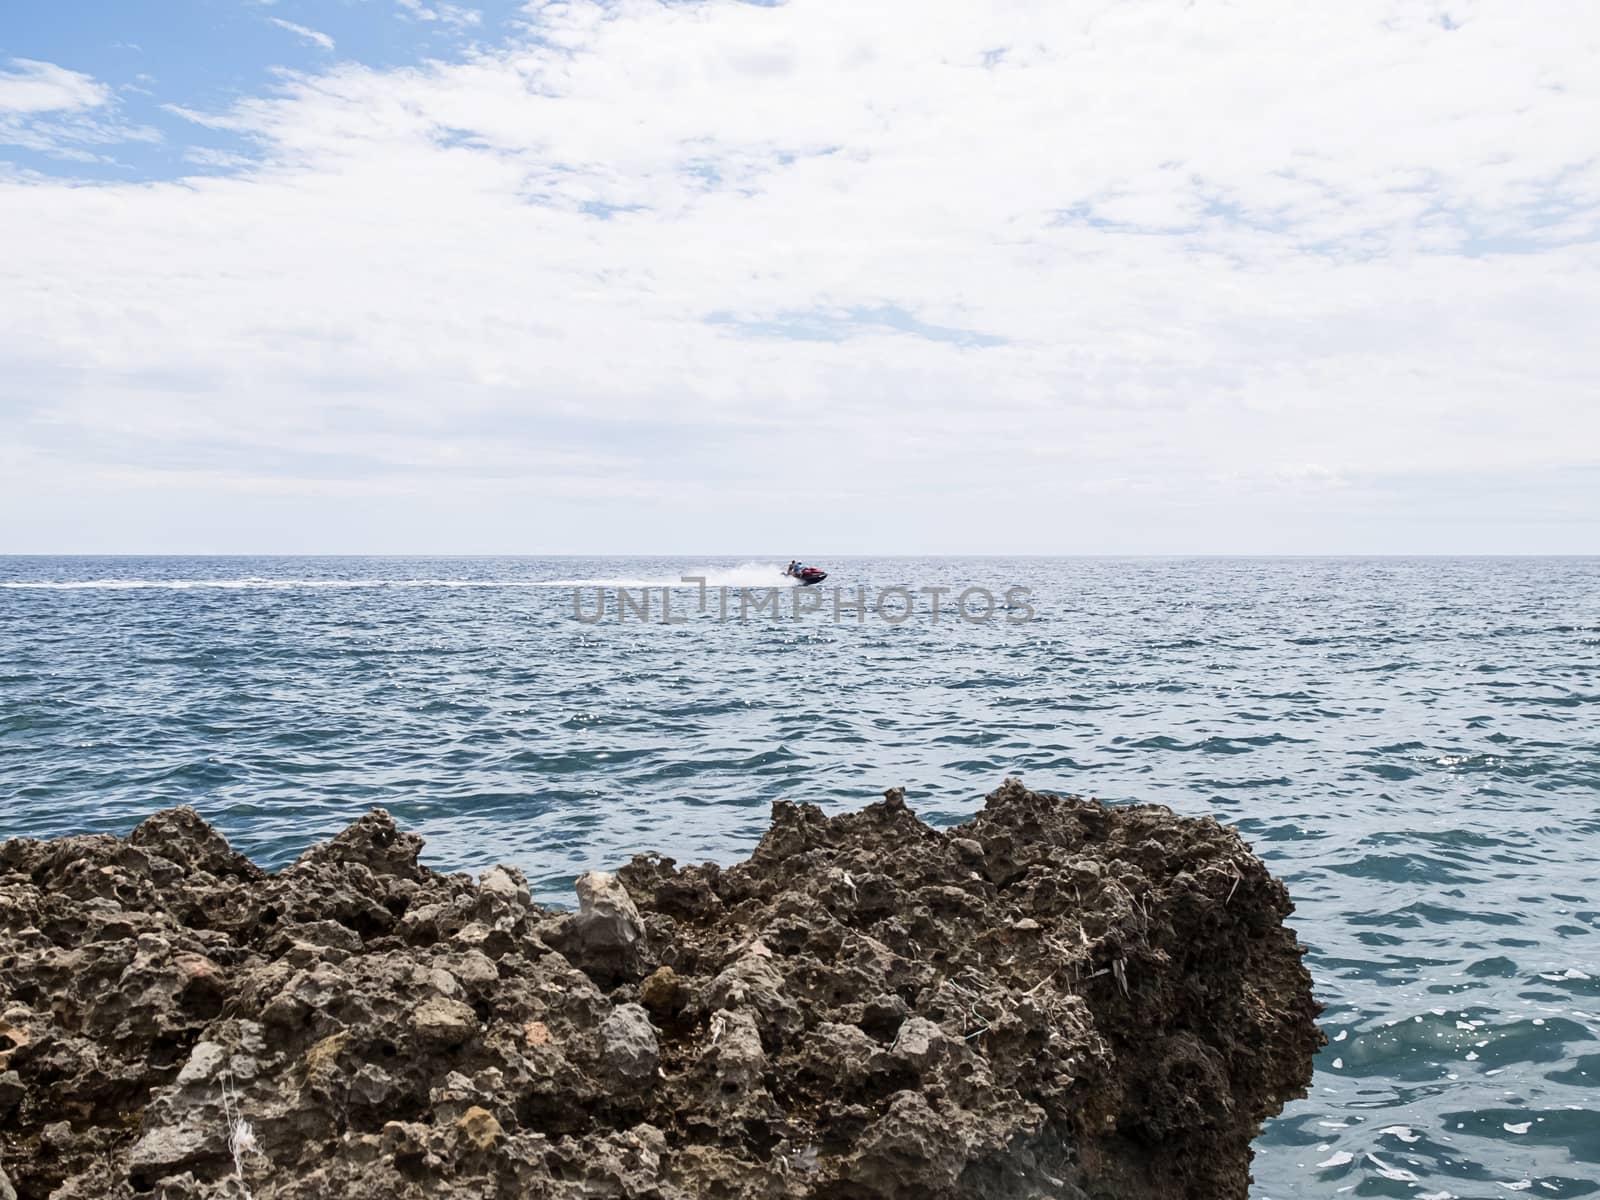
1413, 744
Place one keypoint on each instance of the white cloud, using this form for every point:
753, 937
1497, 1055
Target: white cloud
450, 14
35, 87
1040, 276
310, 35
204, 119
207, 156
51, 110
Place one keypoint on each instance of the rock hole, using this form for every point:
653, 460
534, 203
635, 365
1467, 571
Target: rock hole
881, 1024
202, 999
761, 1138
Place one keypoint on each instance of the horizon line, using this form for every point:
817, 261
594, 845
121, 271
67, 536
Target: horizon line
1076, 554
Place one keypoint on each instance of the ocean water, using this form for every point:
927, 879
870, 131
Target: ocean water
1412, 744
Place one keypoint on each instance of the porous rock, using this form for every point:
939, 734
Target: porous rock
1056, 999
606, 936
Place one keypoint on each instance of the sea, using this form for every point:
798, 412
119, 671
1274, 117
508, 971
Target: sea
1412, 744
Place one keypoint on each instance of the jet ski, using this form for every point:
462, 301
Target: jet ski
809, 575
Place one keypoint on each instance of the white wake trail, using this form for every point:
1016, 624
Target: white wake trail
749, 574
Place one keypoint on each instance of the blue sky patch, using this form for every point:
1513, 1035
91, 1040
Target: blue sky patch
205, 56
839, 325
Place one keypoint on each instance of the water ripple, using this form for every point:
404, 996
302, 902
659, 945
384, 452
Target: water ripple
1412, 744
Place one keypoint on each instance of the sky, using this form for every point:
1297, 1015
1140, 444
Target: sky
1143, 277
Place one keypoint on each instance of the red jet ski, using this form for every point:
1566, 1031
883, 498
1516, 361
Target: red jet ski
808, 575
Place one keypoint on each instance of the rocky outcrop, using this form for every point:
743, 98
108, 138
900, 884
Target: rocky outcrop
1056, 999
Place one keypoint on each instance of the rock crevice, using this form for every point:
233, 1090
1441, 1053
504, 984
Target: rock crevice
1056, 999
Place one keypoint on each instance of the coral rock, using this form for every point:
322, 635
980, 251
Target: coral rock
1056, 999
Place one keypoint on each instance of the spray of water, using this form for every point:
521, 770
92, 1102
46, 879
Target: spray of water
745, 575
